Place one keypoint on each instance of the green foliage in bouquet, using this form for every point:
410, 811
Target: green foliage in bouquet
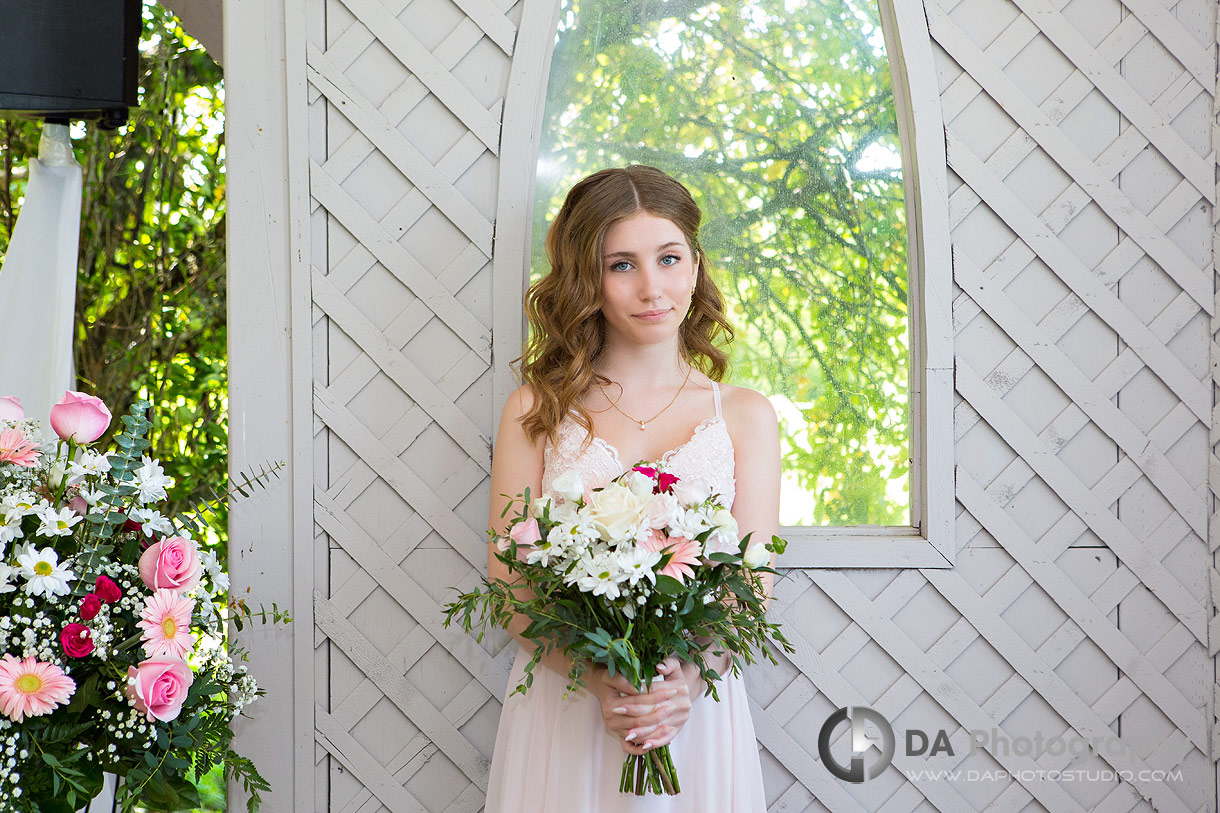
722, 611
625, 576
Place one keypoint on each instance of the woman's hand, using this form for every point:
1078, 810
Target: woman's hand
642, 721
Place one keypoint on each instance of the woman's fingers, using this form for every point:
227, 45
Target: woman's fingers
619, 683
662, 735
644, 720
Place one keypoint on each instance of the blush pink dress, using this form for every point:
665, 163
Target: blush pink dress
553, 754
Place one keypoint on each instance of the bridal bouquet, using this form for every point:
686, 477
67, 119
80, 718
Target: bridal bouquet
112, 656
625, 576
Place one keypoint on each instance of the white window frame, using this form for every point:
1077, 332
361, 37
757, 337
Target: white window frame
928, 541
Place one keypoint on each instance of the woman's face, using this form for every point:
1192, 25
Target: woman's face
648, 276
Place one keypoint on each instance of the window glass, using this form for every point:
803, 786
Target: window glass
779, 116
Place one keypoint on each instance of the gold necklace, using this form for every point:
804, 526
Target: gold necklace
654, 417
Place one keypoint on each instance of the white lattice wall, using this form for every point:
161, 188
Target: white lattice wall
1082, 175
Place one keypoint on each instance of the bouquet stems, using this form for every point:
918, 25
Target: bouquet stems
653, 772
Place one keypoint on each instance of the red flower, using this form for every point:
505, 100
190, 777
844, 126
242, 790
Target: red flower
664, 479
77, 641
130, 526
107, 590
89, 606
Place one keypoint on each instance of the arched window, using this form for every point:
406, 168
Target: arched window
788, 123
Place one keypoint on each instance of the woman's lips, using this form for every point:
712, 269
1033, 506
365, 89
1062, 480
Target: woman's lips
652, 316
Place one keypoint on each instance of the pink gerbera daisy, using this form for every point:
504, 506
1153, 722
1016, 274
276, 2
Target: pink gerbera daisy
167, 624
30, 687
17, 449
683, 553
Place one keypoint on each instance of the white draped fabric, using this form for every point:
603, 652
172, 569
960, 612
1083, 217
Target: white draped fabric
38, 280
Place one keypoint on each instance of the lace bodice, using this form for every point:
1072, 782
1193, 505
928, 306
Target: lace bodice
708, 455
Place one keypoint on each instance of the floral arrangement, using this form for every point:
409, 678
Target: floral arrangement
112, 655
624, 576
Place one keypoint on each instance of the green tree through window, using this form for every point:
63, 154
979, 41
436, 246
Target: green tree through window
779, 115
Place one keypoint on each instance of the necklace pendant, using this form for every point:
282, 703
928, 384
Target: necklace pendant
641, 426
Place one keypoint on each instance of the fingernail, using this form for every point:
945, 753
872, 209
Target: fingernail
647, 746
630, 736
620, 710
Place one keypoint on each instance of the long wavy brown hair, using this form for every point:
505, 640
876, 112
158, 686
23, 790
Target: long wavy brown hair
564, 307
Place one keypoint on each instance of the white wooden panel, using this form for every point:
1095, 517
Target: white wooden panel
1080, 182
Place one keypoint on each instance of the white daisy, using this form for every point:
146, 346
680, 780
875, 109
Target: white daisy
151, 481
7, 574
152, 522
10, 528
92, 496
43, 573
57, 523
638, 563
19, 504
215, 572
597, 574
689, 524
89, 464
541, 554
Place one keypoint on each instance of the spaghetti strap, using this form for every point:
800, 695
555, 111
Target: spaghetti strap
716, 395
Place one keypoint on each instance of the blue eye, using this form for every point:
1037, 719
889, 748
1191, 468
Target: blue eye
670, 257
621, 265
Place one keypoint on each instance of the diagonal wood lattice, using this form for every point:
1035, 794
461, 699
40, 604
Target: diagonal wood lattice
1083, 180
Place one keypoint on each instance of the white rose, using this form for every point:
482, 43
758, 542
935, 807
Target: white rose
724, 521
569, 485
691, 490
541, 504
663, 511
640, 484
757, 556
617, 512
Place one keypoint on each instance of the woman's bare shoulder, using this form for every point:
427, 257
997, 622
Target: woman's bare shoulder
520, 401
518, 404
748, 410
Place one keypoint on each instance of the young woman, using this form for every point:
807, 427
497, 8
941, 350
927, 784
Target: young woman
624, 366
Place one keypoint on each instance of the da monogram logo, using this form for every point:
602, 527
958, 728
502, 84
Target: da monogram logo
919, 742
861, 739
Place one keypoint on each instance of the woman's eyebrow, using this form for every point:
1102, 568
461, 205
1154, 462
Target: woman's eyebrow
632, 253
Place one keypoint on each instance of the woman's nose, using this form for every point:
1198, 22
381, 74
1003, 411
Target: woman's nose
650, 284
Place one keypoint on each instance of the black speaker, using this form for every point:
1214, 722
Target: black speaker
69, 59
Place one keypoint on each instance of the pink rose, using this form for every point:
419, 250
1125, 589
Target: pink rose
79, 505
107, 590
158, 687
90, 606
10, 408
76, 640
523, 533
171, 563
80, 418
